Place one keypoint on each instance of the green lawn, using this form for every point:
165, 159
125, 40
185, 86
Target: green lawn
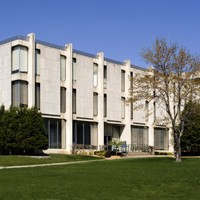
125, 179
53, 158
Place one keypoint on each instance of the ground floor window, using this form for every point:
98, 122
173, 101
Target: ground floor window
139, 138
53, 130
107, 139
161, 139
81, 133
139, 135
111, 132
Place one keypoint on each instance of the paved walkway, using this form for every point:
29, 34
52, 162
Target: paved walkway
49, 164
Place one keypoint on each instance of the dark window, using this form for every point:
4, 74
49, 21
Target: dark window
20, 93
105, 105
81, 133
37, 95
62, 100
37, 62
53, 130
161, 139
74, 101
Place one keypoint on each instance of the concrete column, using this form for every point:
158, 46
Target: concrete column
150, 123
100, 137
126, 133
31, 70
68, 115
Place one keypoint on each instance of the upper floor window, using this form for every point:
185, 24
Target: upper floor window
62, 100
95, 75
105, 76
74, 69
74, 101
123, 107
20, 93
95, 104
105, 104
62, 68
37, 62
19, 59
122, 80
37, 95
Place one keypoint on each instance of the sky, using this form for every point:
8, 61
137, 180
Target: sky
121, 29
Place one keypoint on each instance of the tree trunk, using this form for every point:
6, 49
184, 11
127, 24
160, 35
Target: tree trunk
178, 149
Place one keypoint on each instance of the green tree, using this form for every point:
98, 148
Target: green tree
9, 128
22, 130
31, 133
171, 80
191, 134
2, 110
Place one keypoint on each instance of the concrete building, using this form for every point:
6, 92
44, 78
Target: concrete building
81, 96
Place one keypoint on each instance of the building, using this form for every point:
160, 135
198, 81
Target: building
81, 96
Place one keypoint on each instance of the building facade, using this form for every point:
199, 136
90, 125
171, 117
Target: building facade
81, 96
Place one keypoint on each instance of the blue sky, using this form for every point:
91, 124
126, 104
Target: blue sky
119, 28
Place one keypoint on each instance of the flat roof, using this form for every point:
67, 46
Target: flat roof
19, 37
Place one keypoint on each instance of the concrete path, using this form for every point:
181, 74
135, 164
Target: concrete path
49, 164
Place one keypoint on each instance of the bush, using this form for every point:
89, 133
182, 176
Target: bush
100, 153
163, 153
22, 131
108, 154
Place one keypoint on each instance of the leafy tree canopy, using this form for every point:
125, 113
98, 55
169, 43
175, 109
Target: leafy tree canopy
172, 80
22, 130
191, 135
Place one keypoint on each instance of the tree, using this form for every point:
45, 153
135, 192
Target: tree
31, 131
22, 131
9, 128
2, 111
171, 81
191, 134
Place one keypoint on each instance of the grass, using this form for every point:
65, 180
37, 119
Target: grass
53, 158
125, 179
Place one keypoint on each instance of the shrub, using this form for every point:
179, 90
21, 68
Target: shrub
100, 153
22, 131
108, 154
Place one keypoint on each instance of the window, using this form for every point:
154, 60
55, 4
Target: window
37, 95
74, 69
20, 93
161, 139
74, 101
154, 110
123, 107
95, 75
105, 105
19, 59
122, 80
131, 105
37, 62
105, 76
53, 131
95, 104
82, 133
62, 68
139, 138
62, 100
146, 110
